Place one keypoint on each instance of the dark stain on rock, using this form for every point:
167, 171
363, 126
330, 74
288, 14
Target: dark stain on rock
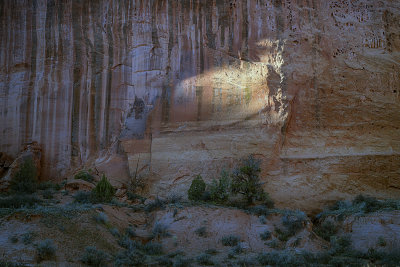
77, 72
138, 107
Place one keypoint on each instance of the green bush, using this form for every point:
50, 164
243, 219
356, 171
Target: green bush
94, 257
230, 240
220, 189
84, 175
46, 250
197, 188
246, 181
104, 191
25, 179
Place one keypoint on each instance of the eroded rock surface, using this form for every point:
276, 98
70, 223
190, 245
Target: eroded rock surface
181, 88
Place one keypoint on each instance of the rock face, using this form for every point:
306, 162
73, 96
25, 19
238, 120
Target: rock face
179, 88
31, 152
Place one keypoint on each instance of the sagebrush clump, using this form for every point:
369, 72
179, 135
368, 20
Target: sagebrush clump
104, 191
84, 175
94, 257
46, 250
25, 179
220, 189
230, 240
197, 188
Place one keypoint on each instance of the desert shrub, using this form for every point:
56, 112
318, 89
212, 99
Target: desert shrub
48, 193
238, 249
11, 264
13, 239
115, 232
371, 204
82, 197
126, 242
246, 181
262, 219
265, 235
160, 230
340, 244
204, 259
84, 175
275, 244
152, 248
136, 183
17, 201
101, 218
246, 262
130, 232
25, 179
27, 238
182, 262
280, 259
294, 222
130, 258
133, 196
201, 231
197, 188
230, 240
48, 185
174, 199
94, 257
46, 250
260, 210
282, 234
381, 241
156, 204
164, 261
326, 229
220, 189
211, 251
389, 259
104, 191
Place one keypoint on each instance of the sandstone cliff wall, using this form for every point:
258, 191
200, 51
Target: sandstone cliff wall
188, 87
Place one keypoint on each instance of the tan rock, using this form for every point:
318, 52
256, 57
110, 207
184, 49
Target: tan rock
79, 185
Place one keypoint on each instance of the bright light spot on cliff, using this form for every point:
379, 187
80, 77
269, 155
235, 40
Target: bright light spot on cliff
240, 91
